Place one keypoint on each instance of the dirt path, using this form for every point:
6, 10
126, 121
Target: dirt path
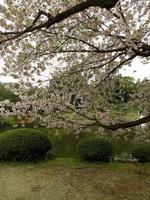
48, 182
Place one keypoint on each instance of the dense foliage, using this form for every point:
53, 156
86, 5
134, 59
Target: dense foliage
94, 150
142, 153
23, 145
122, 90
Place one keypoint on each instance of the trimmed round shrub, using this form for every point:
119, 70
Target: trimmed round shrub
23, 145
94, 150
142, 154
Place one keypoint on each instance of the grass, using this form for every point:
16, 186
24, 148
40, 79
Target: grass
70, 179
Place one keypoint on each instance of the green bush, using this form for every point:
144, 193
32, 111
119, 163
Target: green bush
93, 149
142, 154
23, 145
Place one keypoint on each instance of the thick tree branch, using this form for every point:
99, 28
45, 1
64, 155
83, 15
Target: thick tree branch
108, 4
129, 124
116, 126
144, 50
112, 127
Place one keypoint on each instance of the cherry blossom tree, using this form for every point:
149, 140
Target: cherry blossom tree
88, 40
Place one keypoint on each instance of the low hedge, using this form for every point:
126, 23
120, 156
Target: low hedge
94, 150
142, 154
23, 145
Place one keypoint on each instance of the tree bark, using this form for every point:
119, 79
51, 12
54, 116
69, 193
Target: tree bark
125, 125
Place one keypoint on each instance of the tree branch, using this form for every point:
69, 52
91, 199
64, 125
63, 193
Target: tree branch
118, 66
61, 16
129, 124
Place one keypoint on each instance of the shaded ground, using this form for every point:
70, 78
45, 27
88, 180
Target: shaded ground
68, 179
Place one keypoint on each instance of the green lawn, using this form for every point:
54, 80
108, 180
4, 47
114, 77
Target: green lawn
70, 179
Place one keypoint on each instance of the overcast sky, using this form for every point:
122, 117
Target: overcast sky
137, 69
